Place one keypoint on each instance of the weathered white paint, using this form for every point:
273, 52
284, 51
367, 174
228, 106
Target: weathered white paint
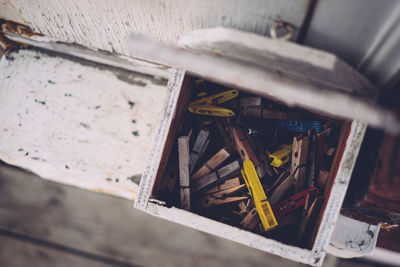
274, 55
105, 25
303, 84
72, 123
9, 12
338, 191
156, 71
353, 238
159, 139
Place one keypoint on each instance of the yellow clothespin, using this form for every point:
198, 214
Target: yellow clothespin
281, 156
256, 190
206, 105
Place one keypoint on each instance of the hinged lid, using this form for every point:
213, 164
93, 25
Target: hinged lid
286, 72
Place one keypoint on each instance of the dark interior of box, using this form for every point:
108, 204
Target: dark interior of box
296, 227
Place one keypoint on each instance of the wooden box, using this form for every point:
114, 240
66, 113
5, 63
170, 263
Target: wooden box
284, 72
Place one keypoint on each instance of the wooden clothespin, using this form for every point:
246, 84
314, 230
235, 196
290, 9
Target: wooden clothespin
312, 158
184, 179
222, 124
218, 175
281, 189
220, 198
211, 164
251, 220
263, 113
229, 183
199, 147
246, 151
299, 158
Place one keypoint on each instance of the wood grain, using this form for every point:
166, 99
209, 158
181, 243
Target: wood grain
220, 174
211, 164
199, 147
184, 179
225, 185
106, 226
14, 252
299, 158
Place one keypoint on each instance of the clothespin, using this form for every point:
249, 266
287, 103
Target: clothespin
217, 176
281, 156
199, 147
294, 202
207, 105
256, 190
211, 164
297, 126
220, 198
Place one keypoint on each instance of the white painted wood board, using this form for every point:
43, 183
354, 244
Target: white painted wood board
105, 25
76, 123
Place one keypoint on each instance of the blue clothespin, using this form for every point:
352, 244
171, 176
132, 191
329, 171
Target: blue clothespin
298, 126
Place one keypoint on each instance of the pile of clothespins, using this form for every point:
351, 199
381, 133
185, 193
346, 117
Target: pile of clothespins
251, 163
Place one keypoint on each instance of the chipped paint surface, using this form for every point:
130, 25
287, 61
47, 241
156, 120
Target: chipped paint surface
74, 123
353, 238
98, 24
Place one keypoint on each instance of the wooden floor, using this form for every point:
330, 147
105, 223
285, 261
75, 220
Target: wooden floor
43, 223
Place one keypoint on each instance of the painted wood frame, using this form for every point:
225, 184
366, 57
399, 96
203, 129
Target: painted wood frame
150, 204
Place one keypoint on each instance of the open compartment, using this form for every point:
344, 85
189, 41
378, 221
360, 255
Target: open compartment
163, 194
297, 201
289, 78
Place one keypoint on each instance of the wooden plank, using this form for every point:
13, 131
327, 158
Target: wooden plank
211, 164
324, 94
14, 252
184, 179
109, 227
94, 24
72, 122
